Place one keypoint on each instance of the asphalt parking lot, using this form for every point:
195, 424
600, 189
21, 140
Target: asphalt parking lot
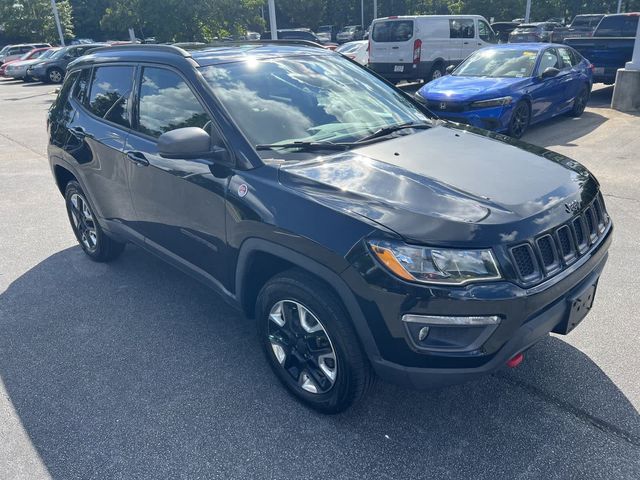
133, 370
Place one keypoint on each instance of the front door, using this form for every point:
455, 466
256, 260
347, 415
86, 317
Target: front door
179, 203
547, 93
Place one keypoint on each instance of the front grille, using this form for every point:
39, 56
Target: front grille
436, 106
553, 251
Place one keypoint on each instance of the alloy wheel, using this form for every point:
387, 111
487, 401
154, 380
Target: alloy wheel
55, 76
519, 120
83, 221
580, 103
302, 347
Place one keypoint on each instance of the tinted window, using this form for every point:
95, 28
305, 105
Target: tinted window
166, 103
110, 90
549, 59
63, 97
485, 32
618, 26
82, 85
462, 28
630, 26
393, 31
576, 58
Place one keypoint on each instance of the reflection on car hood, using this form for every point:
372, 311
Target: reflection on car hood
456, 88
448, 182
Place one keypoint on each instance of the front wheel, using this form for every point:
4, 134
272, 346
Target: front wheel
520, 118
580, 103
55, 75
310, 343
93, 240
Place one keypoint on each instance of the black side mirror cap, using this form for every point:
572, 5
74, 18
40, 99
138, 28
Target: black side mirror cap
550, 72
190, 143
450, 69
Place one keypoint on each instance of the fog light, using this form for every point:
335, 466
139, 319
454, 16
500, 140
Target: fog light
422, 334
449, 333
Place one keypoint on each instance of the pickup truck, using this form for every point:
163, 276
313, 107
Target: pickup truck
610, 47
581, 26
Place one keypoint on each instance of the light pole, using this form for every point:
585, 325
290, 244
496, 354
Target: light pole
362, 13
54, 7
272, 20
619, 5
375, 9
527, 12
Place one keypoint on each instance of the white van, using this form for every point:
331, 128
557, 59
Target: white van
420, 47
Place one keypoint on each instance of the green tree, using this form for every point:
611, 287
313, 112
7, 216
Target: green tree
32, 20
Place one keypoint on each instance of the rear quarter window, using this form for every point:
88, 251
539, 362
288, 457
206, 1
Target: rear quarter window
618, 26
392, 31
110, 92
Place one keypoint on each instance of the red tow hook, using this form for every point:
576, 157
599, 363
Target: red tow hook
515, 360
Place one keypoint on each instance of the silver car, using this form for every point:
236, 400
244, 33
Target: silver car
18, 70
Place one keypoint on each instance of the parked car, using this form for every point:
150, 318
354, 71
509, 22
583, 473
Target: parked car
52, 69
508, 87
533, 32
581, 26
611, 46
298, 34
18, 69
358, 51
14, 52
325, 203
327, 33
81, 41
421, 47
349, 33
503, 29
31, 54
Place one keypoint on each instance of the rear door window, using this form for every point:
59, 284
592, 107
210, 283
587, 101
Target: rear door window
82, 86
392, 31
630, 26
110, 91
565, 55
462, 28
611, 26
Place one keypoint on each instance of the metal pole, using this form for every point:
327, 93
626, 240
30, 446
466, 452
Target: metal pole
527, 12
362, 13
619, 5
54, 7
272, 20
375, 9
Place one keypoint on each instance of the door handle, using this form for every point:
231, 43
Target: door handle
138, 158
80, 133
395, 48
465, 43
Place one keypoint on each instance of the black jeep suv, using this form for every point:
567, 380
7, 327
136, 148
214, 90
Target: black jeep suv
363, 236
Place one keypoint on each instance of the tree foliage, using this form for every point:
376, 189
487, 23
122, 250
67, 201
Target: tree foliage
32, 20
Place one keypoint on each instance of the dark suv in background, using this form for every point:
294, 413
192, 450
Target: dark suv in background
53, 68
363, 236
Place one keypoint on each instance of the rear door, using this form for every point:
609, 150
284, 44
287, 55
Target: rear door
179, 203
97, 134
392, 42
571, 81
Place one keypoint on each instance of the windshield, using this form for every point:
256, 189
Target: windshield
48, 53
59, 53
350, 47
322, 98
498, 63
586, 20
526, 28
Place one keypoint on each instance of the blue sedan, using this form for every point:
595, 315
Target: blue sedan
506, 88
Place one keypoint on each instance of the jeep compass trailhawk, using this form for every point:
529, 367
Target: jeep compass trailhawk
365, 237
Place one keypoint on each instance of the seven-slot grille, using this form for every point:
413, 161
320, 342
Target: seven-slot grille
553, 251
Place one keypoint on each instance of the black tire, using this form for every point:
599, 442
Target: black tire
55, 75
579, 103
352, 372
27, 79
436, 72
94, 241
520, 119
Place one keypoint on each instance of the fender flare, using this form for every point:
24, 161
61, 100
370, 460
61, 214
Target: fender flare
333, 279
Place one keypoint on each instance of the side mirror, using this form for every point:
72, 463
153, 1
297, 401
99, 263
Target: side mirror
450, 69
190, 143
550, 72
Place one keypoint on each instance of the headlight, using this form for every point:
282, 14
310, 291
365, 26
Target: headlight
436, 265
493, 102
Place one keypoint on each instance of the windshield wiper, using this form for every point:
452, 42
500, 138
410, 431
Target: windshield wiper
384, 131
306, 146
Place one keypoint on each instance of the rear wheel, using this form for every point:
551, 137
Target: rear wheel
580, 103
310, 344
93, 240
436, 72
520, 118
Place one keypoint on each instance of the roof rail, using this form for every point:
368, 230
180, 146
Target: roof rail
143, 46
284, 41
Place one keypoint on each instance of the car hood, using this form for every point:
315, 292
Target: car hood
449, 182
456, 88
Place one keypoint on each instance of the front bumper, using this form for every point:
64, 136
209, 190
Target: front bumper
528, 315
493, 118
